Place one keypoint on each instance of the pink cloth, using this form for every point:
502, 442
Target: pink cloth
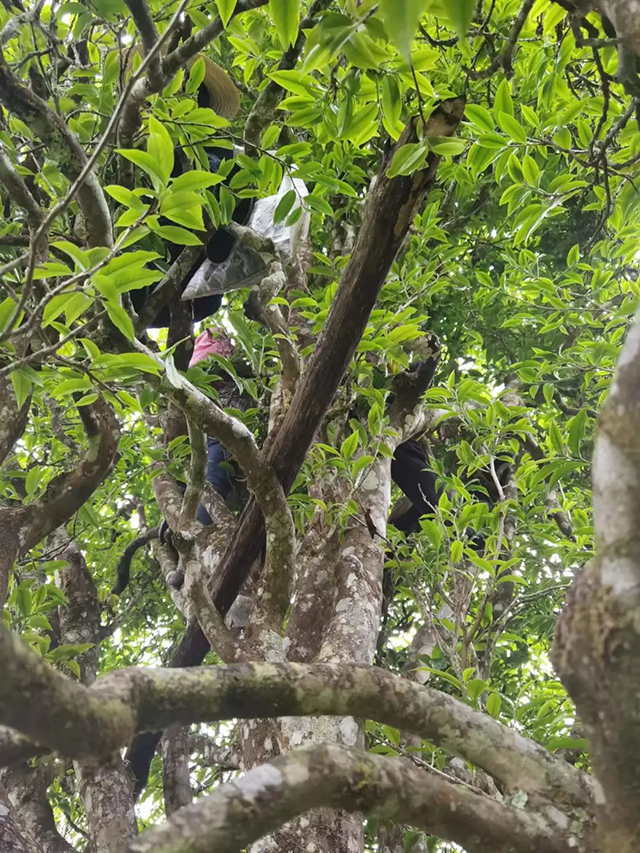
210, 343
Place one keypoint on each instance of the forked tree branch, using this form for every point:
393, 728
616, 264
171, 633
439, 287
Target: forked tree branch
390, 210
265, 798
78, 721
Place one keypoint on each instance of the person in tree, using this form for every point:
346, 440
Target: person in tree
216, 342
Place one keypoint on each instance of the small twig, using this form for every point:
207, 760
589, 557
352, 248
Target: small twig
505, 59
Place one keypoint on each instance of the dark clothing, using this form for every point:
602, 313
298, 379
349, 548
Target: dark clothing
409, 471
216, 475
217, 250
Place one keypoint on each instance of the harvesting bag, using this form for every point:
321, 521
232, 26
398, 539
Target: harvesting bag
245, 267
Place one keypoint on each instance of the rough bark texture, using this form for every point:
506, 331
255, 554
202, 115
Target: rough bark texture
27, 791
242, 811
597, 645
104, 783
175, 769
80, 721
14, 838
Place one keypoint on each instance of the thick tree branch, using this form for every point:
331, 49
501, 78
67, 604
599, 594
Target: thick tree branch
27, 790
390, 209
149, 35
330, 776
175, 769
79, 721
64, 148
597, 644
24, 526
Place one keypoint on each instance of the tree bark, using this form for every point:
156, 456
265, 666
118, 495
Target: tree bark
14, 838
176, 785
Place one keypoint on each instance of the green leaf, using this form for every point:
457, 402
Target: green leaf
33, 479
147, 163
22, 386
80, 256
285, 15
480, 117
160, 147
293, 81
408, 159
349, 445
494, 704
196, 76
185, 208
196, 179
24, 599
476, 687
503, 102
577, 430
447, 147
460, 13
284, 206
71, 386
401, 20
174, 234
512, 126
360, 463
555, 439
124, 196
40, 622
7, 307
226, 9
530, 170
120, 319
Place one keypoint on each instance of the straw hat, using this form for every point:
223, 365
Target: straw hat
225, 97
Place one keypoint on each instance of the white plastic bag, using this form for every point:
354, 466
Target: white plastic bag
285, 238
245, 267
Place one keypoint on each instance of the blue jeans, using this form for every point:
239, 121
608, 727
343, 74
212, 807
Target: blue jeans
216, 475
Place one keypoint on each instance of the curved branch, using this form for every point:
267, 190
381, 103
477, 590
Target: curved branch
77, 721
246, 809
66, 150
124, 566
149, 35
23, 527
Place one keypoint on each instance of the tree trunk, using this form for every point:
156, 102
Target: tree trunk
14, 838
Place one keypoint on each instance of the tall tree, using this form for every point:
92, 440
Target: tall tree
324, 667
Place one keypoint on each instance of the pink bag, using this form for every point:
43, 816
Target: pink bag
211, 342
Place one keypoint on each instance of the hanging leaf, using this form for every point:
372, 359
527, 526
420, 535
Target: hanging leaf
401, 20
408, 159
285, 15
120, 319
460, 13
22, 386
226, 9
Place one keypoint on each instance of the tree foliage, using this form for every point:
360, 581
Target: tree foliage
520, 260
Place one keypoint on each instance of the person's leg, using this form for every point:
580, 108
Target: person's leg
217, 476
